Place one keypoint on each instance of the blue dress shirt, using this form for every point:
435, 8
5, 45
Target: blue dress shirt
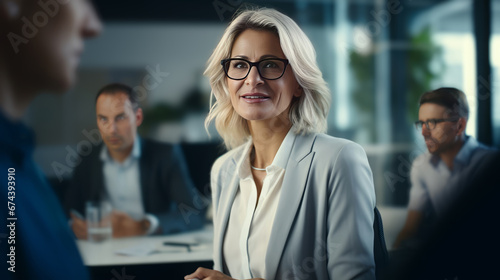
123, 185
41, 240
434, 185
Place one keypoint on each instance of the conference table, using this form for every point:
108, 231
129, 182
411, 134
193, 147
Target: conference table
148, 256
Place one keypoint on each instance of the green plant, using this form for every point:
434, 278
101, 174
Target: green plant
424, 65
193, 102
362, 65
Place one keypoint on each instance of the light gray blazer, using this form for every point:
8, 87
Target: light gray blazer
323, 228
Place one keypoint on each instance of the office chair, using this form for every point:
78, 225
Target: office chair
379, 248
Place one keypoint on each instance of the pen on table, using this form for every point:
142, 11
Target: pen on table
187, 245
77, 214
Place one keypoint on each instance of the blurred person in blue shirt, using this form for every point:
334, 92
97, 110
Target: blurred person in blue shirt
41, 45
437, 176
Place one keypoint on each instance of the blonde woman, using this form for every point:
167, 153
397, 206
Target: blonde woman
289, 201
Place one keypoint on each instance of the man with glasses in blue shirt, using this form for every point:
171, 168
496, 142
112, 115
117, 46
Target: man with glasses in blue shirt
452, 156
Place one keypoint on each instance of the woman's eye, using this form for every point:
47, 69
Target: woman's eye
239, 65
270, 65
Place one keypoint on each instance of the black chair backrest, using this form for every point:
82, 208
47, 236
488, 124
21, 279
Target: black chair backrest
200, 157
379, 247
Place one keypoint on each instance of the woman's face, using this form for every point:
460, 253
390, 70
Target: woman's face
255, 98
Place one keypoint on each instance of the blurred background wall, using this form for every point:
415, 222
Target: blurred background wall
378, 57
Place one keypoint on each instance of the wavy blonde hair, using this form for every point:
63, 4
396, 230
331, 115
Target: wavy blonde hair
307, 114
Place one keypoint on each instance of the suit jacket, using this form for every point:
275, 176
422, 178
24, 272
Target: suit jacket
323, 228
167, 190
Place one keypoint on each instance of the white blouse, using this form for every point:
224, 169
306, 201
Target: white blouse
249, 228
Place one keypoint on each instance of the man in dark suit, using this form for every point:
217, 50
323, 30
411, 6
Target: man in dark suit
146, 182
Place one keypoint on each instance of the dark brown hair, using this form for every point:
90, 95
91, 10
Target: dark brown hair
115, 88
451, 98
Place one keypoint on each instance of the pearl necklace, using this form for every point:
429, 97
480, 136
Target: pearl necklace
256, 168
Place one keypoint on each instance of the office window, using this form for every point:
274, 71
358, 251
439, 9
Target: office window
494, 86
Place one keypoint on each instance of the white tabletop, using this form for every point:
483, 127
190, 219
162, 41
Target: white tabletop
104, 253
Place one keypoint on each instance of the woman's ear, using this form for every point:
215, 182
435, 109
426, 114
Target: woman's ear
299, 91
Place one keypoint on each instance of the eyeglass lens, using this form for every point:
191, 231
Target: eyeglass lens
268, 69
430, 124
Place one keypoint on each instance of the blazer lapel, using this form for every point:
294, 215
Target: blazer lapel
225, 205
292, 190
145, 175
97, 186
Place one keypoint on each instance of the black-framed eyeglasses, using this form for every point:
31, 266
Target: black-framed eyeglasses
431, 124
269, 68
